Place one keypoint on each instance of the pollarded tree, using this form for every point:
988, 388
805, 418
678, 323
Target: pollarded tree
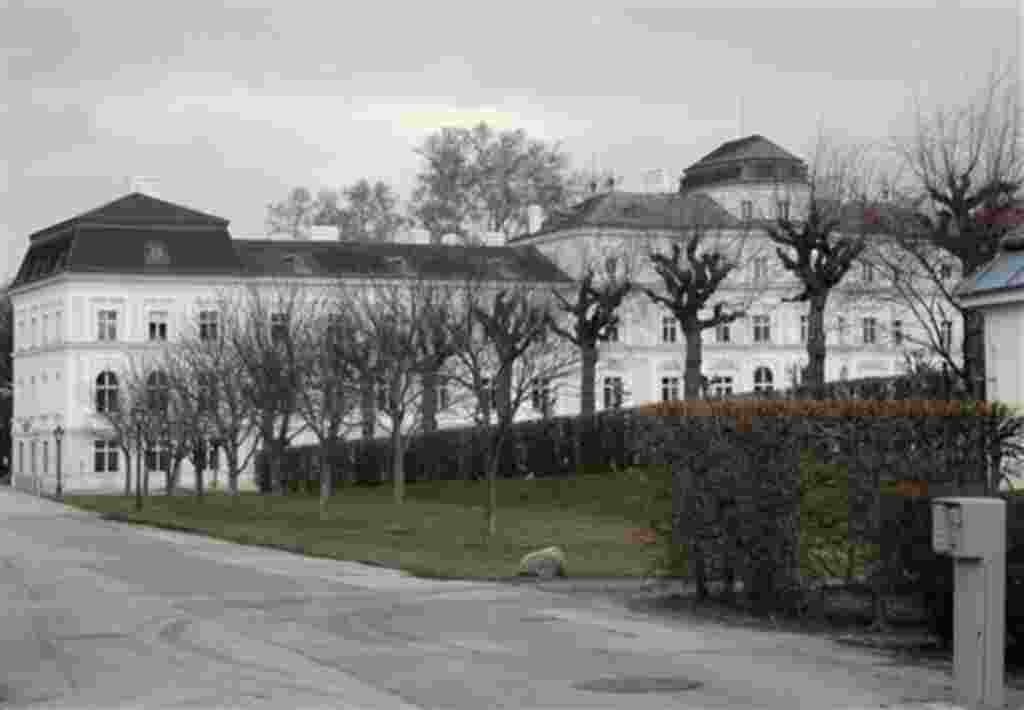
688, 281
294, 215
592, 315
821, 246
967, 164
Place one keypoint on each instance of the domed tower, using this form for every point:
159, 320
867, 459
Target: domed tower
752, 178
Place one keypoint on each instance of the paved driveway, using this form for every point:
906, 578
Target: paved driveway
101, 614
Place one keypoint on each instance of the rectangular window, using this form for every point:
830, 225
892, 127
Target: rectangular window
840, 329
868, 272
897, 333
760, 268
32, 456
613, 392
443, 396
158, 458
278, 326
721, 385
46, 457
722, 334
669, 389
208, 324
747, 210
46, 329
804, 320
783, 209
21, 458
58, 326
107, 325
540, 396
158, 325
668, 329
869, 331
35, 331
612, 333
762, 329
946, 334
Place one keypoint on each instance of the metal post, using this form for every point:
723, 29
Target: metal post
138, 465
58, 435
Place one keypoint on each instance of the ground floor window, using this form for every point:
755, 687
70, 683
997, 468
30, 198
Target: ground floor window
105, 456
32, 456
613, 392
21, 457
763, 379
669, 389
721, 385
158, 458
46, 457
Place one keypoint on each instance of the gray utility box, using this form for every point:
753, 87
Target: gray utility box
973, 532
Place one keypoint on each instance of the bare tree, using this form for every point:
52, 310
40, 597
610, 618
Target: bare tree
592, 314
293, 216
688, 281
967, 165
399, 334
819, 247
328, 384
262, 331
212, 376
512, 349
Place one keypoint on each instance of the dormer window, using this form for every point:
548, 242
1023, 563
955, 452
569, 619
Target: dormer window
296, 264
156, 254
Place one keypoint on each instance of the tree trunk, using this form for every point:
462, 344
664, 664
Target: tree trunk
397, 463
974, 353
814, 375
694, 355
233, 474
325, 477
369, 418
429, 404
199, 482
127, 472
491, 510
588, 375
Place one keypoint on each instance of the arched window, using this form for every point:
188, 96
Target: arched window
844, 373
106, 392
763, 379
158, 391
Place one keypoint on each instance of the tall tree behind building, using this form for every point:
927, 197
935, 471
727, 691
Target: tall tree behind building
482, 180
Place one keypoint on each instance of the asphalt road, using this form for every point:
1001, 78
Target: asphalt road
107, 615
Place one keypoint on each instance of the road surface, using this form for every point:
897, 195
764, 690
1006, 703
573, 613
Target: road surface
107, 615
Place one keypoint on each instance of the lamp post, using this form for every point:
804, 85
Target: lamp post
58, 435
137, 416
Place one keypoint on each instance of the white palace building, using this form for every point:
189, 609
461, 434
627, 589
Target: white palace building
129, 275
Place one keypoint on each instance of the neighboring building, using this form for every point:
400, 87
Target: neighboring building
732, 191
124, 278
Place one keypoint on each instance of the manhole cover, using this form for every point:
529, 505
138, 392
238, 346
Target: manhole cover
639, 684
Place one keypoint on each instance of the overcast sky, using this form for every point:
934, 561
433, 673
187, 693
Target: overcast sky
229, 105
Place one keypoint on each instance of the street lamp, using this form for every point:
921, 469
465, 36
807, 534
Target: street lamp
137, 417
58, 435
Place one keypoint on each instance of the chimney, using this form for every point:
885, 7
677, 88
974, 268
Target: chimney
534, 218
494, 239
145, 185
323, 233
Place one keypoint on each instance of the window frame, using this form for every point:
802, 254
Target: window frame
669, 324
107, 392
762, 324
613, 391
158, 320
869, 327
209, 324
669, 388
763, 386
106, 323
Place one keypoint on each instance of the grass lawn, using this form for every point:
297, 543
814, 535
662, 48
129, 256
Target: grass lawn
437, 531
